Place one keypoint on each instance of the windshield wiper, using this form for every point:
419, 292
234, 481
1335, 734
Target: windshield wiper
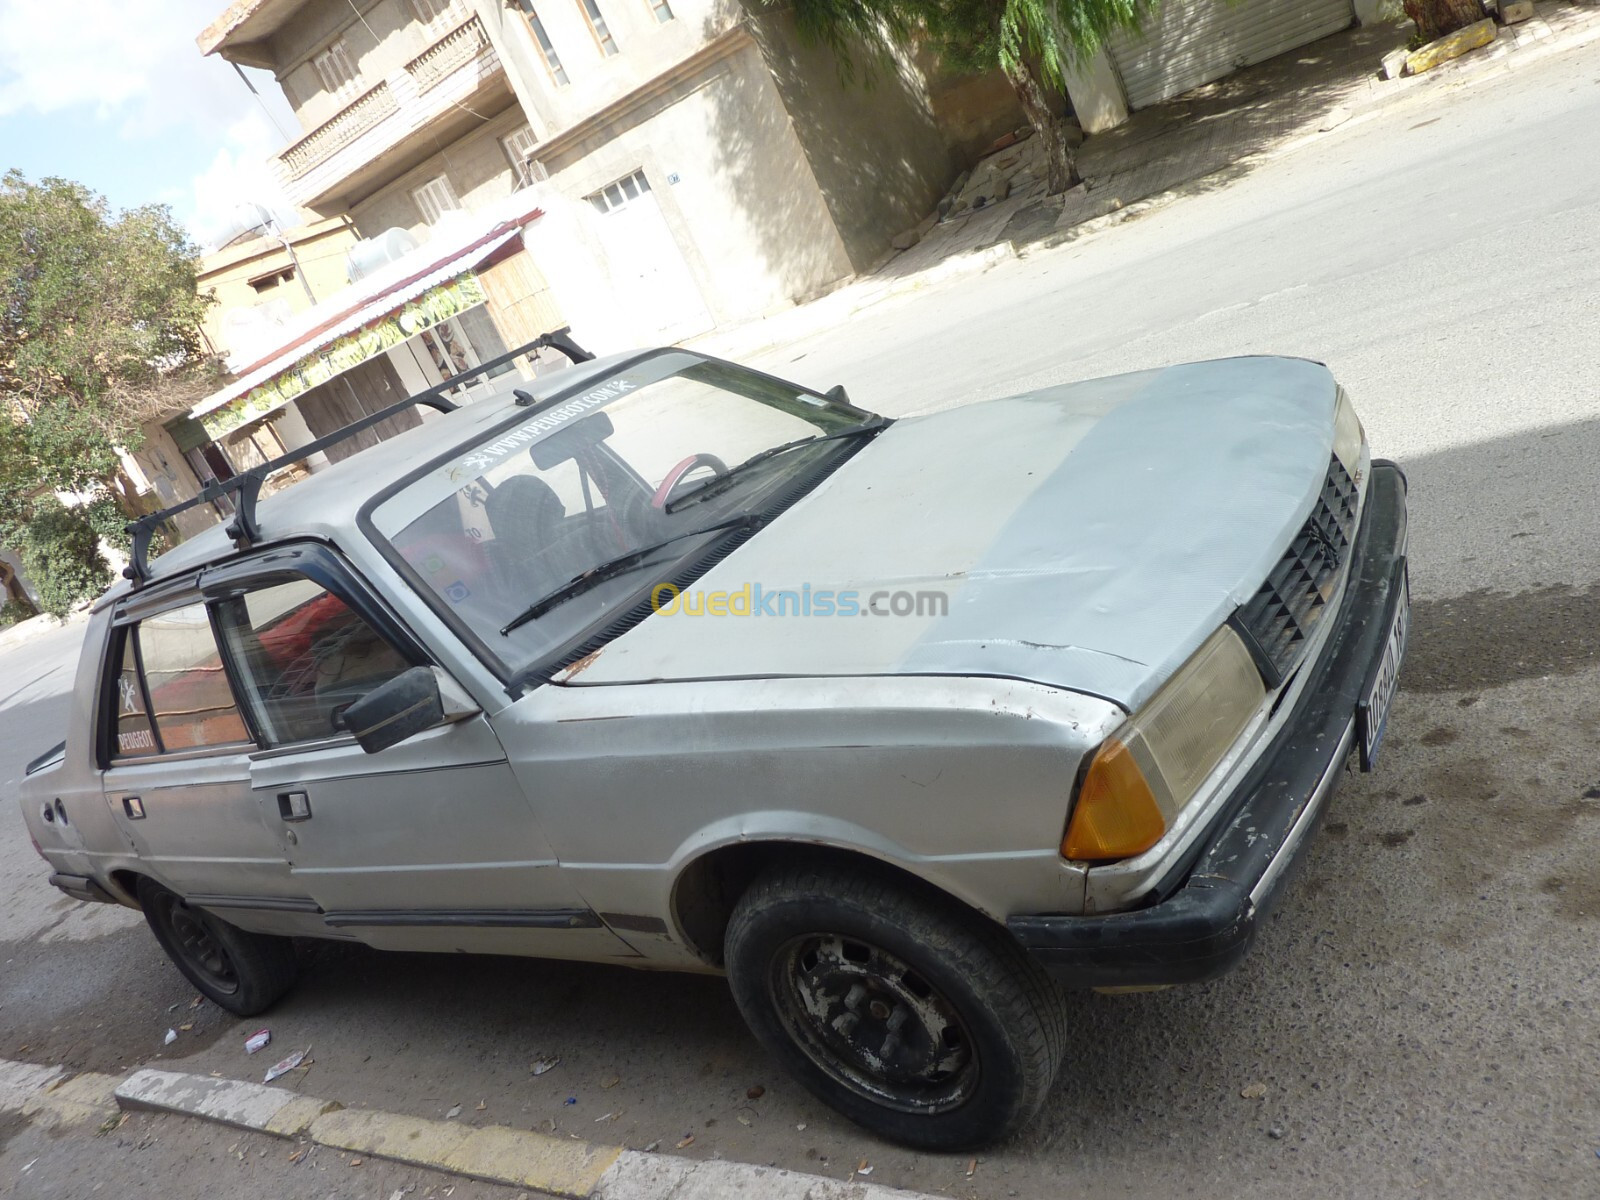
620, 565
717, 482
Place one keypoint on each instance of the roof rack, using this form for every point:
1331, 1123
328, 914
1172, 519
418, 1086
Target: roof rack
245, 487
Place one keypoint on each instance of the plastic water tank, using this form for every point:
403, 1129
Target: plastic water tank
368, 255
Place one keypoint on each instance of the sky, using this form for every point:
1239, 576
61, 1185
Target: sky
115, 95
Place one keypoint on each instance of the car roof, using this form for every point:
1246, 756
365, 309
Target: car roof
331, 498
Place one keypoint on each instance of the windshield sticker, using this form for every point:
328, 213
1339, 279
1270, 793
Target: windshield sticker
484, 457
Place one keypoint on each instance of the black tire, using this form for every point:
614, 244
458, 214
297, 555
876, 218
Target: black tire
978, 1029
242, 972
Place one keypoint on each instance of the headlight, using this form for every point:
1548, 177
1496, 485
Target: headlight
1151, 767
1347, 434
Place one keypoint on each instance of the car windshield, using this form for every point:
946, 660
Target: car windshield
618, 479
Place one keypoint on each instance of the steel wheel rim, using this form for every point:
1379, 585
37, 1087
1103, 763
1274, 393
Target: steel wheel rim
200, 948
873, 1023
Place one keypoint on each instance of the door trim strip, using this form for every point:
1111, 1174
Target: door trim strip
264, 903
482, 918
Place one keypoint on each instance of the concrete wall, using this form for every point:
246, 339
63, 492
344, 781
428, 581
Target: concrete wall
646, 49
876, 151
476, 166
745, 211
971, 111
321, 249
167, 473
380, 35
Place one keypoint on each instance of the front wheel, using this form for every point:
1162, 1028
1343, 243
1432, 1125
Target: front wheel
910, 1015
242, 972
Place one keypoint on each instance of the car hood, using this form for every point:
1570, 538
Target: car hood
1088, 536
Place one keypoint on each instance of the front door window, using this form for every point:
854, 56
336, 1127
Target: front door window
303, 657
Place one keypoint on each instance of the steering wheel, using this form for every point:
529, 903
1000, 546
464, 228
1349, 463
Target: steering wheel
675, 476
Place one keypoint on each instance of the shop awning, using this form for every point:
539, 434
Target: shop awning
403, 298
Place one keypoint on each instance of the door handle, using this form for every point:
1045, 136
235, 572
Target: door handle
133, 807
294, 806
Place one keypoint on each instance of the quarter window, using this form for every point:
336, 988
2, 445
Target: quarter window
135, 733
303, 656
185, 702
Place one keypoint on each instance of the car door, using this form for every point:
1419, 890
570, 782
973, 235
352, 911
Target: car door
177, 769
428, 845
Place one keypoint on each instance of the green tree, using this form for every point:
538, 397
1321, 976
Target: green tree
99, 331
1033, 42
61, 552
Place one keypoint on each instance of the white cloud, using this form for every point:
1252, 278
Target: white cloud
113, 57
134, 65
237, 176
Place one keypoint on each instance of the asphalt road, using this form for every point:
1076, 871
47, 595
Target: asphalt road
1419, 1011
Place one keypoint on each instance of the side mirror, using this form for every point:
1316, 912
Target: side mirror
407, 705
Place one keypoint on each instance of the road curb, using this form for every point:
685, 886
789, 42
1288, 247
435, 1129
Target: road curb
55, 1093
495, 1154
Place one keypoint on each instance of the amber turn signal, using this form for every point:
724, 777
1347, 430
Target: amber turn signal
1116, 815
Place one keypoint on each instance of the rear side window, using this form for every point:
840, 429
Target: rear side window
303, 656
172, 691
135, 734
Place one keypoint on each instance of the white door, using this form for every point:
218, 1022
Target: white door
1191, 42
654, 287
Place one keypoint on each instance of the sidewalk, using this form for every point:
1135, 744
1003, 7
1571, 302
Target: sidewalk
26, 631
1197, 142
536, 1162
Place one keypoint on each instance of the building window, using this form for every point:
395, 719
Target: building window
552, 60
662, 10
519, 147
614, 195
266, 283
597, 26
435, 198
337, 70
440, 12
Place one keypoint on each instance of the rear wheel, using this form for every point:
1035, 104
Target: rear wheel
242, 972
912, 1016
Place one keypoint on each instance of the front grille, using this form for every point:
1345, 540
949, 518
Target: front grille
1284, 612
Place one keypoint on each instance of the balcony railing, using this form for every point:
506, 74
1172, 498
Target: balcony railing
448, 55
332, 136
462, 46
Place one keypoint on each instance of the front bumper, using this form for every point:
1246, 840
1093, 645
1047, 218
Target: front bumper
1207, 919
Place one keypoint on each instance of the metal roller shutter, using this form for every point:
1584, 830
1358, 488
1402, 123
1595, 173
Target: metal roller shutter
1191, 42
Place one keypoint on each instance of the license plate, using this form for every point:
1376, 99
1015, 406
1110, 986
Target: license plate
1372, 714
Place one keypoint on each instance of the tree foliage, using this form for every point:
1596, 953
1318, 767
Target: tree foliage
61, 553
1035, 43
99, 320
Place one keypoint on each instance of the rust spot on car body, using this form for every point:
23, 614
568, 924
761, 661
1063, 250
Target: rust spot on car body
574, 669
